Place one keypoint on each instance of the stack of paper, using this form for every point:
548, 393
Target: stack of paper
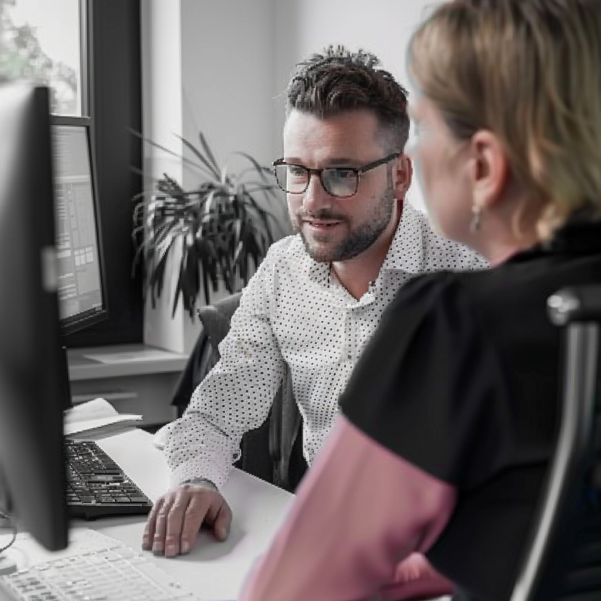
97, 417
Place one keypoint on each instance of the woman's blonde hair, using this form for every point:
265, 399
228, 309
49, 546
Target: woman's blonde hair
530, 72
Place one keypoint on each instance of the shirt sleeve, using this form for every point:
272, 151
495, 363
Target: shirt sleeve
428, 386
236, 395
359, 511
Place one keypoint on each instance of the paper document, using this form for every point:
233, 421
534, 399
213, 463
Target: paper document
96, 416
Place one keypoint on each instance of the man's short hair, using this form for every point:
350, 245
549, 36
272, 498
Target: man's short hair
338, 81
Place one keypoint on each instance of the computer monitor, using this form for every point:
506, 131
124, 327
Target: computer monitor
82, 297
32, 381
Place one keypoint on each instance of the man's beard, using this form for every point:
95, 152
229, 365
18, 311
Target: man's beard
358, 240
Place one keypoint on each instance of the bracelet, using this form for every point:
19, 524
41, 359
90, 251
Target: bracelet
201, 482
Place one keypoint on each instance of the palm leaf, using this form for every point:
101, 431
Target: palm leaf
262, 213
208, 151
223, 228
260, 169
168, 151
200, 157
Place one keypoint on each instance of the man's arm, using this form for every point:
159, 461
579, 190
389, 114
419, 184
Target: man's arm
234, 398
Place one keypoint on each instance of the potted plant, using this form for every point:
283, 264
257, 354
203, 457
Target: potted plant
223, 226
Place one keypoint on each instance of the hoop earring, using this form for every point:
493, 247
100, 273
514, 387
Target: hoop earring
476, 221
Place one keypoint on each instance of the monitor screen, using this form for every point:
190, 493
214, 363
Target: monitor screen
33, 381
81, 283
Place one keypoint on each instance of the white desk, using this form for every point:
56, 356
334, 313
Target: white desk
213, 570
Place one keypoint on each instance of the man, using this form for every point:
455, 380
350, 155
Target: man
319, 294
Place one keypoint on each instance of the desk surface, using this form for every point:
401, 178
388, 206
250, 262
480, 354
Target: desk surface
213, 570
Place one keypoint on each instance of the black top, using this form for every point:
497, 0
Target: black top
462, 379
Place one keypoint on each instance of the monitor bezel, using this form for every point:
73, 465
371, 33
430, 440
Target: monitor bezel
72, 324
32, 458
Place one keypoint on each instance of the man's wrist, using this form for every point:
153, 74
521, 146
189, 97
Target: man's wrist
201, 482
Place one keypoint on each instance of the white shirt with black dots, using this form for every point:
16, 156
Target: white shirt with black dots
293, 312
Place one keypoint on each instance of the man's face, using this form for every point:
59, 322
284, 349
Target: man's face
337, 229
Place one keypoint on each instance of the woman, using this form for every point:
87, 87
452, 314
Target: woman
449, 419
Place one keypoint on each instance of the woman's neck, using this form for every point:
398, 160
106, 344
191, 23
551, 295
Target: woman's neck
497, 249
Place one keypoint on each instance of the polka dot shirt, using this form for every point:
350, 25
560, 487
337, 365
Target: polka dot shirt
292, 312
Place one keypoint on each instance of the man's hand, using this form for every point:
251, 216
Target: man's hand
176, 518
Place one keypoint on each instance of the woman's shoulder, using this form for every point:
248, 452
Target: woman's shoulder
463, 292
452, 290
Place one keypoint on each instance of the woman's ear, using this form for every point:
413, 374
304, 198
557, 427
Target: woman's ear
489, 169
404, 173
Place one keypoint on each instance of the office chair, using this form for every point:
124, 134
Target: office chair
215, 321
272, 452
563, 561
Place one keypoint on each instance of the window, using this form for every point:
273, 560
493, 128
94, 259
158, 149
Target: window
115, 83
88, 53
41, 41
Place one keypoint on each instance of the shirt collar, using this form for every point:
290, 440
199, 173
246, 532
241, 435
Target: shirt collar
406, 252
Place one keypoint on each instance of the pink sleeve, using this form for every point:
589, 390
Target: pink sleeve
359, 512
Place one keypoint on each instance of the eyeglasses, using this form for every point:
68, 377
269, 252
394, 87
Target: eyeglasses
340, 182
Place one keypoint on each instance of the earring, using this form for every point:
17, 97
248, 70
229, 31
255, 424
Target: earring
476, 218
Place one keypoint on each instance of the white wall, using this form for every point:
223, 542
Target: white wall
161, 71
228, 73
209, 65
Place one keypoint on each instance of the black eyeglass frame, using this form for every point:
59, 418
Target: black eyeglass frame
357, 170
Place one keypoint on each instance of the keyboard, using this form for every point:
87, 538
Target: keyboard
97, 486
107, 571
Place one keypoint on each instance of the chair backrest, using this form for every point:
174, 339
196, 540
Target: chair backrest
273, 451
215, 325
563, 561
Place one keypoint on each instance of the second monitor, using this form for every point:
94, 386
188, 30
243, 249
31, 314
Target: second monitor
81, 278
